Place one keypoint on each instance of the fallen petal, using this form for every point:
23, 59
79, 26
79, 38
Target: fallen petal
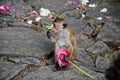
29, 21
84, 2
108, 17
92, 5
38, 19
99, 18
83, 16
4, 8
104, 10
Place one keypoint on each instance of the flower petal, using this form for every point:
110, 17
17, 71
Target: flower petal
29, 21
38, 19
44, 12
104, 10
99, 18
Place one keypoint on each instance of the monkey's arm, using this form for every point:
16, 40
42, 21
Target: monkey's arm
51, 36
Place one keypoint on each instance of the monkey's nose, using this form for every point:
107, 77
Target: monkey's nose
54, 30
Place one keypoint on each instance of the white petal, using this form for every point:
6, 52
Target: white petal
104, 10
44, 12
92, 5
99, 18
83, 16
29, 22
38, 19
84, 2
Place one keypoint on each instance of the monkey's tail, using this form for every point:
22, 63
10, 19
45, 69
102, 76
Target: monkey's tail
81, 70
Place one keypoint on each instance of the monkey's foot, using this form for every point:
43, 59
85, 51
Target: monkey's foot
56, 69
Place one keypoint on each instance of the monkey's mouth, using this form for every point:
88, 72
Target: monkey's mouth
54, 29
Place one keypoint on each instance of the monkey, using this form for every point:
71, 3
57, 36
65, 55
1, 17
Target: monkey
113, 71
62, 34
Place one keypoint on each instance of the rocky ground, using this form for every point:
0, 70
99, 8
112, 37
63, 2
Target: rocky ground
23, 50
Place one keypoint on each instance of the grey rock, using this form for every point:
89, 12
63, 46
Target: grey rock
9, 70
24, 41
85, 43
72, 73
25, 60
78, 26
99, 47
102, 62
110, 32
83, 57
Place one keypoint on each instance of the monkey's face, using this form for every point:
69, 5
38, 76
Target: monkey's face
57, 27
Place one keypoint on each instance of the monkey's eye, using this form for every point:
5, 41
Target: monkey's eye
53, 24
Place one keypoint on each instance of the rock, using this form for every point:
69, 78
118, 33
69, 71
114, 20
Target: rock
25, 60
110, 32
24, 41
83, 57
9, 70
58, 6
102, 62
84, 43
15, 15
45, 73
98, 47
79, 26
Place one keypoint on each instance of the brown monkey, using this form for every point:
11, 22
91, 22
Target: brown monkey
62, 35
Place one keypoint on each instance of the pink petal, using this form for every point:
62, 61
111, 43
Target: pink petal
108, 17
4, 8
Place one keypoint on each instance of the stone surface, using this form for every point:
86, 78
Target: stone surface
9, 70
24, 41
98, 47
71, 74
102, 62
25, 60
27, 44
110, 32
83, 57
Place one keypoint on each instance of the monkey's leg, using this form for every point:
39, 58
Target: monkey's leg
56, 68
72, 54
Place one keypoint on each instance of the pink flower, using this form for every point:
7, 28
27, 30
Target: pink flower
61, 54
4, 8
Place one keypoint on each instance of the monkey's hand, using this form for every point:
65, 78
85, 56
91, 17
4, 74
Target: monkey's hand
51, 36
67, 59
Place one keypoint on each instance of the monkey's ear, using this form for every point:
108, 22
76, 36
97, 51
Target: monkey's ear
64, 25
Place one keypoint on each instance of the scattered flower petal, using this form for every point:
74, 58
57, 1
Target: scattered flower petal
44, 12
4, 8
49, 4
69, 2
108, 17
38, 19
83, 16
99, 18
104, 10
84, 2
92, 5
29, 21
51, 16
33, 12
